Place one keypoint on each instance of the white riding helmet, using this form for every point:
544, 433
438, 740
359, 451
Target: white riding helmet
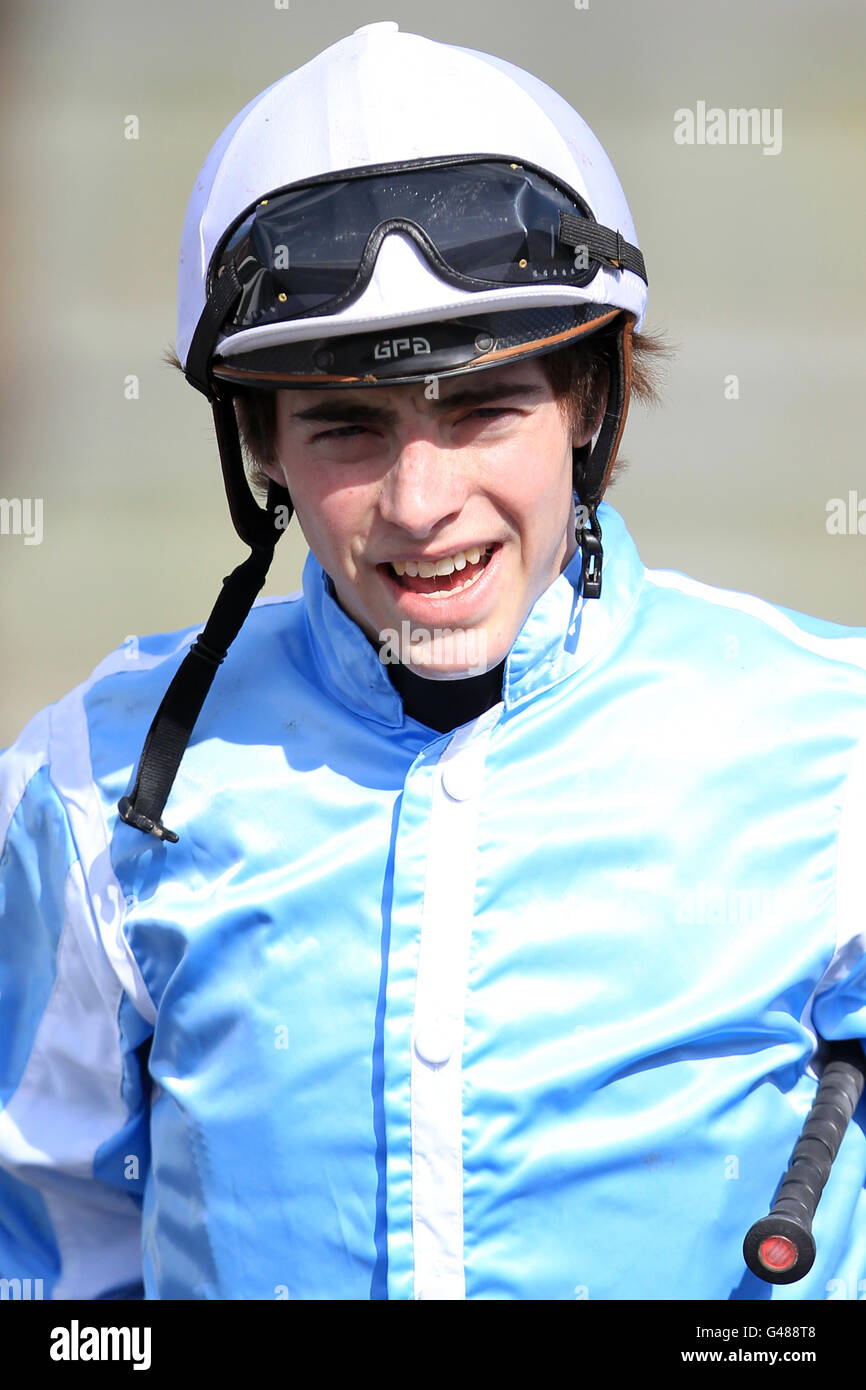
396, 183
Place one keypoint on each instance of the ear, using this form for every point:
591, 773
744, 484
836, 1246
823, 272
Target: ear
274, 470
590, 428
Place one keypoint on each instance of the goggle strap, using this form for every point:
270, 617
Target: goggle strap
220, 301
601, 243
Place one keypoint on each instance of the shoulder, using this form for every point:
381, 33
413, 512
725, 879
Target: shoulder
750, 631
702, 627
96, 731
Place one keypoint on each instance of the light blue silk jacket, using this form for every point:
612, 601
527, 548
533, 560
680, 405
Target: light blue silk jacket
525, 1011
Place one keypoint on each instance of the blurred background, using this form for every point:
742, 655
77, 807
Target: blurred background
755, 265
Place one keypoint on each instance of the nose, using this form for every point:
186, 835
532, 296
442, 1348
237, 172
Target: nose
423, 490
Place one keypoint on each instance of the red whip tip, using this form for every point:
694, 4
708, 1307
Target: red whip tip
777, 1253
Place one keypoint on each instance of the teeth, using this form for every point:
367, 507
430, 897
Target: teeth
428, 568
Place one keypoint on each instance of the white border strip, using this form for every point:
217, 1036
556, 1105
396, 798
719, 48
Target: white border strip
848, 649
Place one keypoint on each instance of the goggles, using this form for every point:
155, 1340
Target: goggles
481, 222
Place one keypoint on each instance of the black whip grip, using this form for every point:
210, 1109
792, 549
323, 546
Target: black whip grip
780, 1247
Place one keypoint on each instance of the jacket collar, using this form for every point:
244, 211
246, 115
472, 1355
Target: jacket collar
561, 633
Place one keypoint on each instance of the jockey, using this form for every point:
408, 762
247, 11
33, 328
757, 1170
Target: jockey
465, 924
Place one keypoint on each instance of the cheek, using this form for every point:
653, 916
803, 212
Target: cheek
537, 485
331, 514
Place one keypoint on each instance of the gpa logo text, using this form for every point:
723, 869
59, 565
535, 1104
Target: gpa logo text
400, 347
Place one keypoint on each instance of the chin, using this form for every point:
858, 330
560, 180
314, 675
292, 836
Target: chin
449, 654
436, 673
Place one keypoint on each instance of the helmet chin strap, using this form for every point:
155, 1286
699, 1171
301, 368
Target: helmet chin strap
587, 531
258, 527
592, 467
172, 726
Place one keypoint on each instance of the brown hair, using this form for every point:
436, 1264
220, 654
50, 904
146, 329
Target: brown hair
578, 376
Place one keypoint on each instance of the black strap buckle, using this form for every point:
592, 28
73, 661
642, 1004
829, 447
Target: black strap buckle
588, 537
141, 822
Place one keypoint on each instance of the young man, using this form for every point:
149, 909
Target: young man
473, 936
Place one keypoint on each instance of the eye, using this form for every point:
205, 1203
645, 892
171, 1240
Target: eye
342, 432
488, 412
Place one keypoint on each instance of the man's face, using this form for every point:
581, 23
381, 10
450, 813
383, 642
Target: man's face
476, 484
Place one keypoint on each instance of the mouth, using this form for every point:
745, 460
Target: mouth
443, 578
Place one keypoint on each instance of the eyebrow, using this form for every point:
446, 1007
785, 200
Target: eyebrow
359, 412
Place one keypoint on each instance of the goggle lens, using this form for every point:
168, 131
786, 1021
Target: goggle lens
490, 222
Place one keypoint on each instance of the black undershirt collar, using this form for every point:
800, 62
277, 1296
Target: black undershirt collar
445, 705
